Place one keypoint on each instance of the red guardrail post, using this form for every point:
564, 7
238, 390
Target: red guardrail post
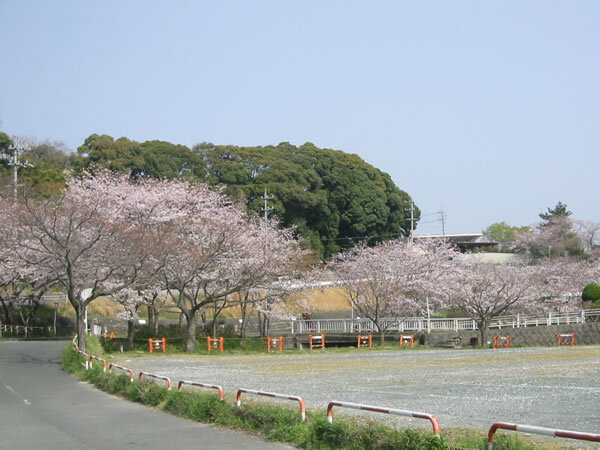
273, 395
566, 339
99, 359
110, 367
397, 412
365, 341
153, 375
212, 386
214, 342
157, 343
275, 342
539, 430
86, 356
407, 340
501, 342
316, 341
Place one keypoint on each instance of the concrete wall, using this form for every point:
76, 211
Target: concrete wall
585, 334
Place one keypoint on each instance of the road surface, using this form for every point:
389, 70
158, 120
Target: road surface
43, 407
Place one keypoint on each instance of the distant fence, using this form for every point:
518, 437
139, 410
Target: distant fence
52, 298
424, 324
22, 330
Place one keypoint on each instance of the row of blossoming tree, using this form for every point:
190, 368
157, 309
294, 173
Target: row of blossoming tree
142, 240
109, 235
398, 279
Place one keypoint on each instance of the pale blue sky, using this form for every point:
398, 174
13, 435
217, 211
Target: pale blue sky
487, 109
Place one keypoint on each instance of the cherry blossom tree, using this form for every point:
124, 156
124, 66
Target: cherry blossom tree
393, 278
220, 252
107, 232
20, 284
589, 233
554, 237
96, 238
560, 281
484, 290
131, 300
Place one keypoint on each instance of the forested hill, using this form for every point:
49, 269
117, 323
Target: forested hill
333, 198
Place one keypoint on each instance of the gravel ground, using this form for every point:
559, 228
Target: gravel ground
552, 387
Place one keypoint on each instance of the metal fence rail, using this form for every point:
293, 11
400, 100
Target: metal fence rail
21, 330
404, 324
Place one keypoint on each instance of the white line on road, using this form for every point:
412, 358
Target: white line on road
27, 402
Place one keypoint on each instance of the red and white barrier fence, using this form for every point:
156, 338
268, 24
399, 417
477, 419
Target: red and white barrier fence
539, 430
103, 361
274, 395
397, 412
125, 369
211, 386
87, 358
159, 377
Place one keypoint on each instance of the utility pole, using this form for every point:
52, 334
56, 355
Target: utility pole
443, 219
267, 208
15, 163
412, 221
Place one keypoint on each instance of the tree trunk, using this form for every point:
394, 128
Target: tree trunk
151, 310
244, 312
130, 333
483, 325
204, 321
381, 335
190, 345
260, 316
153, 314
7, 320
80, 310
156, 315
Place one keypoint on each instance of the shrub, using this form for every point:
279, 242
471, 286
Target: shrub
591, 292
147, 393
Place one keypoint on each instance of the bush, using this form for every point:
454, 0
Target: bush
591, 292
147, 393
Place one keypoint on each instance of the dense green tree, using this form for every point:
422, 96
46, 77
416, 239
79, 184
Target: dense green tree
560, 210
5, 153
156, 159
45, 171
49, 162
504, 234
333, 198
5, 143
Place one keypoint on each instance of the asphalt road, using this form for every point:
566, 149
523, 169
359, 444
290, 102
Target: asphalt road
43, 407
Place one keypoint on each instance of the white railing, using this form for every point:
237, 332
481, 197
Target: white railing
20, 329
422, 323
552, 318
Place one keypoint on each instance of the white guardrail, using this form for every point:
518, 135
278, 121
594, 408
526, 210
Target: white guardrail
422, 323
